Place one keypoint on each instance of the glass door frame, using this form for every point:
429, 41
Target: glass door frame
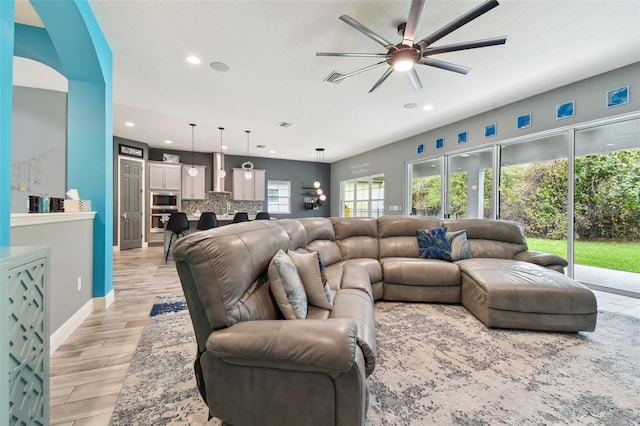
568, 131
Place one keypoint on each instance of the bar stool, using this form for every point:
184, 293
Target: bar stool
263, 216
241, 217
207, 220
178, 223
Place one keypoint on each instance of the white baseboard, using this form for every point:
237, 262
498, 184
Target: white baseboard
61, 334
66, 330
102, 303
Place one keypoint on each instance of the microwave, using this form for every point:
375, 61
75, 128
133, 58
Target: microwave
165, 200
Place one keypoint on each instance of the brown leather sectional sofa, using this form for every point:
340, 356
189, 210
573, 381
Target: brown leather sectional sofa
254, 368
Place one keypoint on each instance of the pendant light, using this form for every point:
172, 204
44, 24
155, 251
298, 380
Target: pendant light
221, 172
319, 191
248, 165
317, 184
192, 171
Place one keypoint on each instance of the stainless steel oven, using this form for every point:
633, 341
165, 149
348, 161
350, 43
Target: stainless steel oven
162, 204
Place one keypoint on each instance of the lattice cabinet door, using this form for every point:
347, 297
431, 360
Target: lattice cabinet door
24, 335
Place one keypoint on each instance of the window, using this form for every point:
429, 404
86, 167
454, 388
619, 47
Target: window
279, 196
363, 197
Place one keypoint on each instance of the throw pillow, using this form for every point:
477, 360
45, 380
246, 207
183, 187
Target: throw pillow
433, 244
459, 245
325, 282
287, 287
309, 270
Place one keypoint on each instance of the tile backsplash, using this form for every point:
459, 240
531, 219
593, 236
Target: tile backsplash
219, 202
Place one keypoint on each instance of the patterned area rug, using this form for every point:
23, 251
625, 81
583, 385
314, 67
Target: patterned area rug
437, 364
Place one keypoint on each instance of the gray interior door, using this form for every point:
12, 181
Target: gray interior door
130, 204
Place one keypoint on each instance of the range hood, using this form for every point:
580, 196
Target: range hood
218, 181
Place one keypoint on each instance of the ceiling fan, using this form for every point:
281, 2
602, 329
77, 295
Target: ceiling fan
403, 56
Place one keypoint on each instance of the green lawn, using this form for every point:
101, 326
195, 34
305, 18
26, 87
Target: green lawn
610, 255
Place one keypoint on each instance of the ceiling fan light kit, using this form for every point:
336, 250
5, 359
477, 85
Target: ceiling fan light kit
403, 57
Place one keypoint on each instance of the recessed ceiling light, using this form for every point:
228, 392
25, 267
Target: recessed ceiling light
411, 105
428, 107
261, 146
610, 144
284, 124
168, 141
219, 66
193, 60
464, 155
224, 147
130, 124
272, 152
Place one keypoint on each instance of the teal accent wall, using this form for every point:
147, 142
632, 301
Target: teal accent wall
82, 55
7, 11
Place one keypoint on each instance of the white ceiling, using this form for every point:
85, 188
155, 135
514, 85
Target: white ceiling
275, 76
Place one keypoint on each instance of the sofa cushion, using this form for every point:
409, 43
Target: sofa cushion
459, 245
308, 266
356, 237
287, 287
500, 239
420, 272
397, 234
433, 244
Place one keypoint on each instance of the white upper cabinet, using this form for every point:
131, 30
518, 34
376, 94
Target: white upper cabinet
164, 176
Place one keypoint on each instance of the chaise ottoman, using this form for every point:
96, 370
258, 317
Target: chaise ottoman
514, 294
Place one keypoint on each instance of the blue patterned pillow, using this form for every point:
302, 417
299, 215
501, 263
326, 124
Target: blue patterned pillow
287, 287
459, 245
433, 244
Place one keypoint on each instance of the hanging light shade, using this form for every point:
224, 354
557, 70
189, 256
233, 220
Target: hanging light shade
248, 165
221, 172
322, 197
192, 171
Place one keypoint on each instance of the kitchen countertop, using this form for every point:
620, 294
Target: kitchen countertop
221, 218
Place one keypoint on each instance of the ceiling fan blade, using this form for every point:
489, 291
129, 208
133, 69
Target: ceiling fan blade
444, 65
464, 46
457, 23
415, 80
342, 77
412, 22
366, 31
353, 55
386, 75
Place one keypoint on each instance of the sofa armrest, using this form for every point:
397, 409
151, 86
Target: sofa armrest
541, 258
324, 346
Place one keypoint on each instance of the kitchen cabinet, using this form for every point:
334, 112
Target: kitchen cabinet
193, 186
249, 189
164, 176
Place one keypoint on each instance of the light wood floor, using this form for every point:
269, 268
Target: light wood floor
88, 370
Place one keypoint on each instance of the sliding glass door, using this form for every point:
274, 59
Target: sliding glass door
470, 185
607, 206
533, 190
426, 188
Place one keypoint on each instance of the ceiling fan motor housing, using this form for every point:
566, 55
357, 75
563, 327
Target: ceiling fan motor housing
402, 52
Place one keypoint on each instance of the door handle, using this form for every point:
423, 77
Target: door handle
123, 215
